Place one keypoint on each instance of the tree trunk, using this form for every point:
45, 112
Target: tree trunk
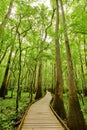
34, 78
2, 57
3, 89
58, 104
82, 69
39, 82
75, 117
31, 90
85, 51
19, 76
53, 75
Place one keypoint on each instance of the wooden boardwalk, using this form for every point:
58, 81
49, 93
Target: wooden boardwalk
40, 116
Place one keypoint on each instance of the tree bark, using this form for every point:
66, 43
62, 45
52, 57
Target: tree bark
85, 51
3, 89
75, 117
34, 78
39, 82
82, 69
19, 76
53, 75
2, 57
58, 104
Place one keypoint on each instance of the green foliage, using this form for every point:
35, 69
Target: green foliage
3, 8
7, 111
53, 3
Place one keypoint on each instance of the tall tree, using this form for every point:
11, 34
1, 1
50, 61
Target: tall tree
85, 48
58, 104
3, 56
43, 40
39, 82
3, 88
19, 74
82, 68
75, 117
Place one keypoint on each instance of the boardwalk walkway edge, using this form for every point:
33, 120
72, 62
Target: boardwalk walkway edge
61, 121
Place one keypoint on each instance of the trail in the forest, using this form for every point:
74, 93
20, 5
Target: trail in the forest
40, 116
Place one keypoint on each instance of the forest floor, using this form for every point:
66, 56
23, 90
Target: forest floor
8, 117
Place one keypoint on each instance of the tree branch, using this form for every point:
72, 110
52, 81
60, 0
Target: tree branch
49, 24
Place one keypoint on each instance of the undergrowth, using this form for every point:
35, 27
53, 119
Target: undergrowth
8, 116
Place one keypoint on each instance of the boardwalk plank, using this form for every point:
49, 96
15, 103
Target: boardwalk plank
40, 116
